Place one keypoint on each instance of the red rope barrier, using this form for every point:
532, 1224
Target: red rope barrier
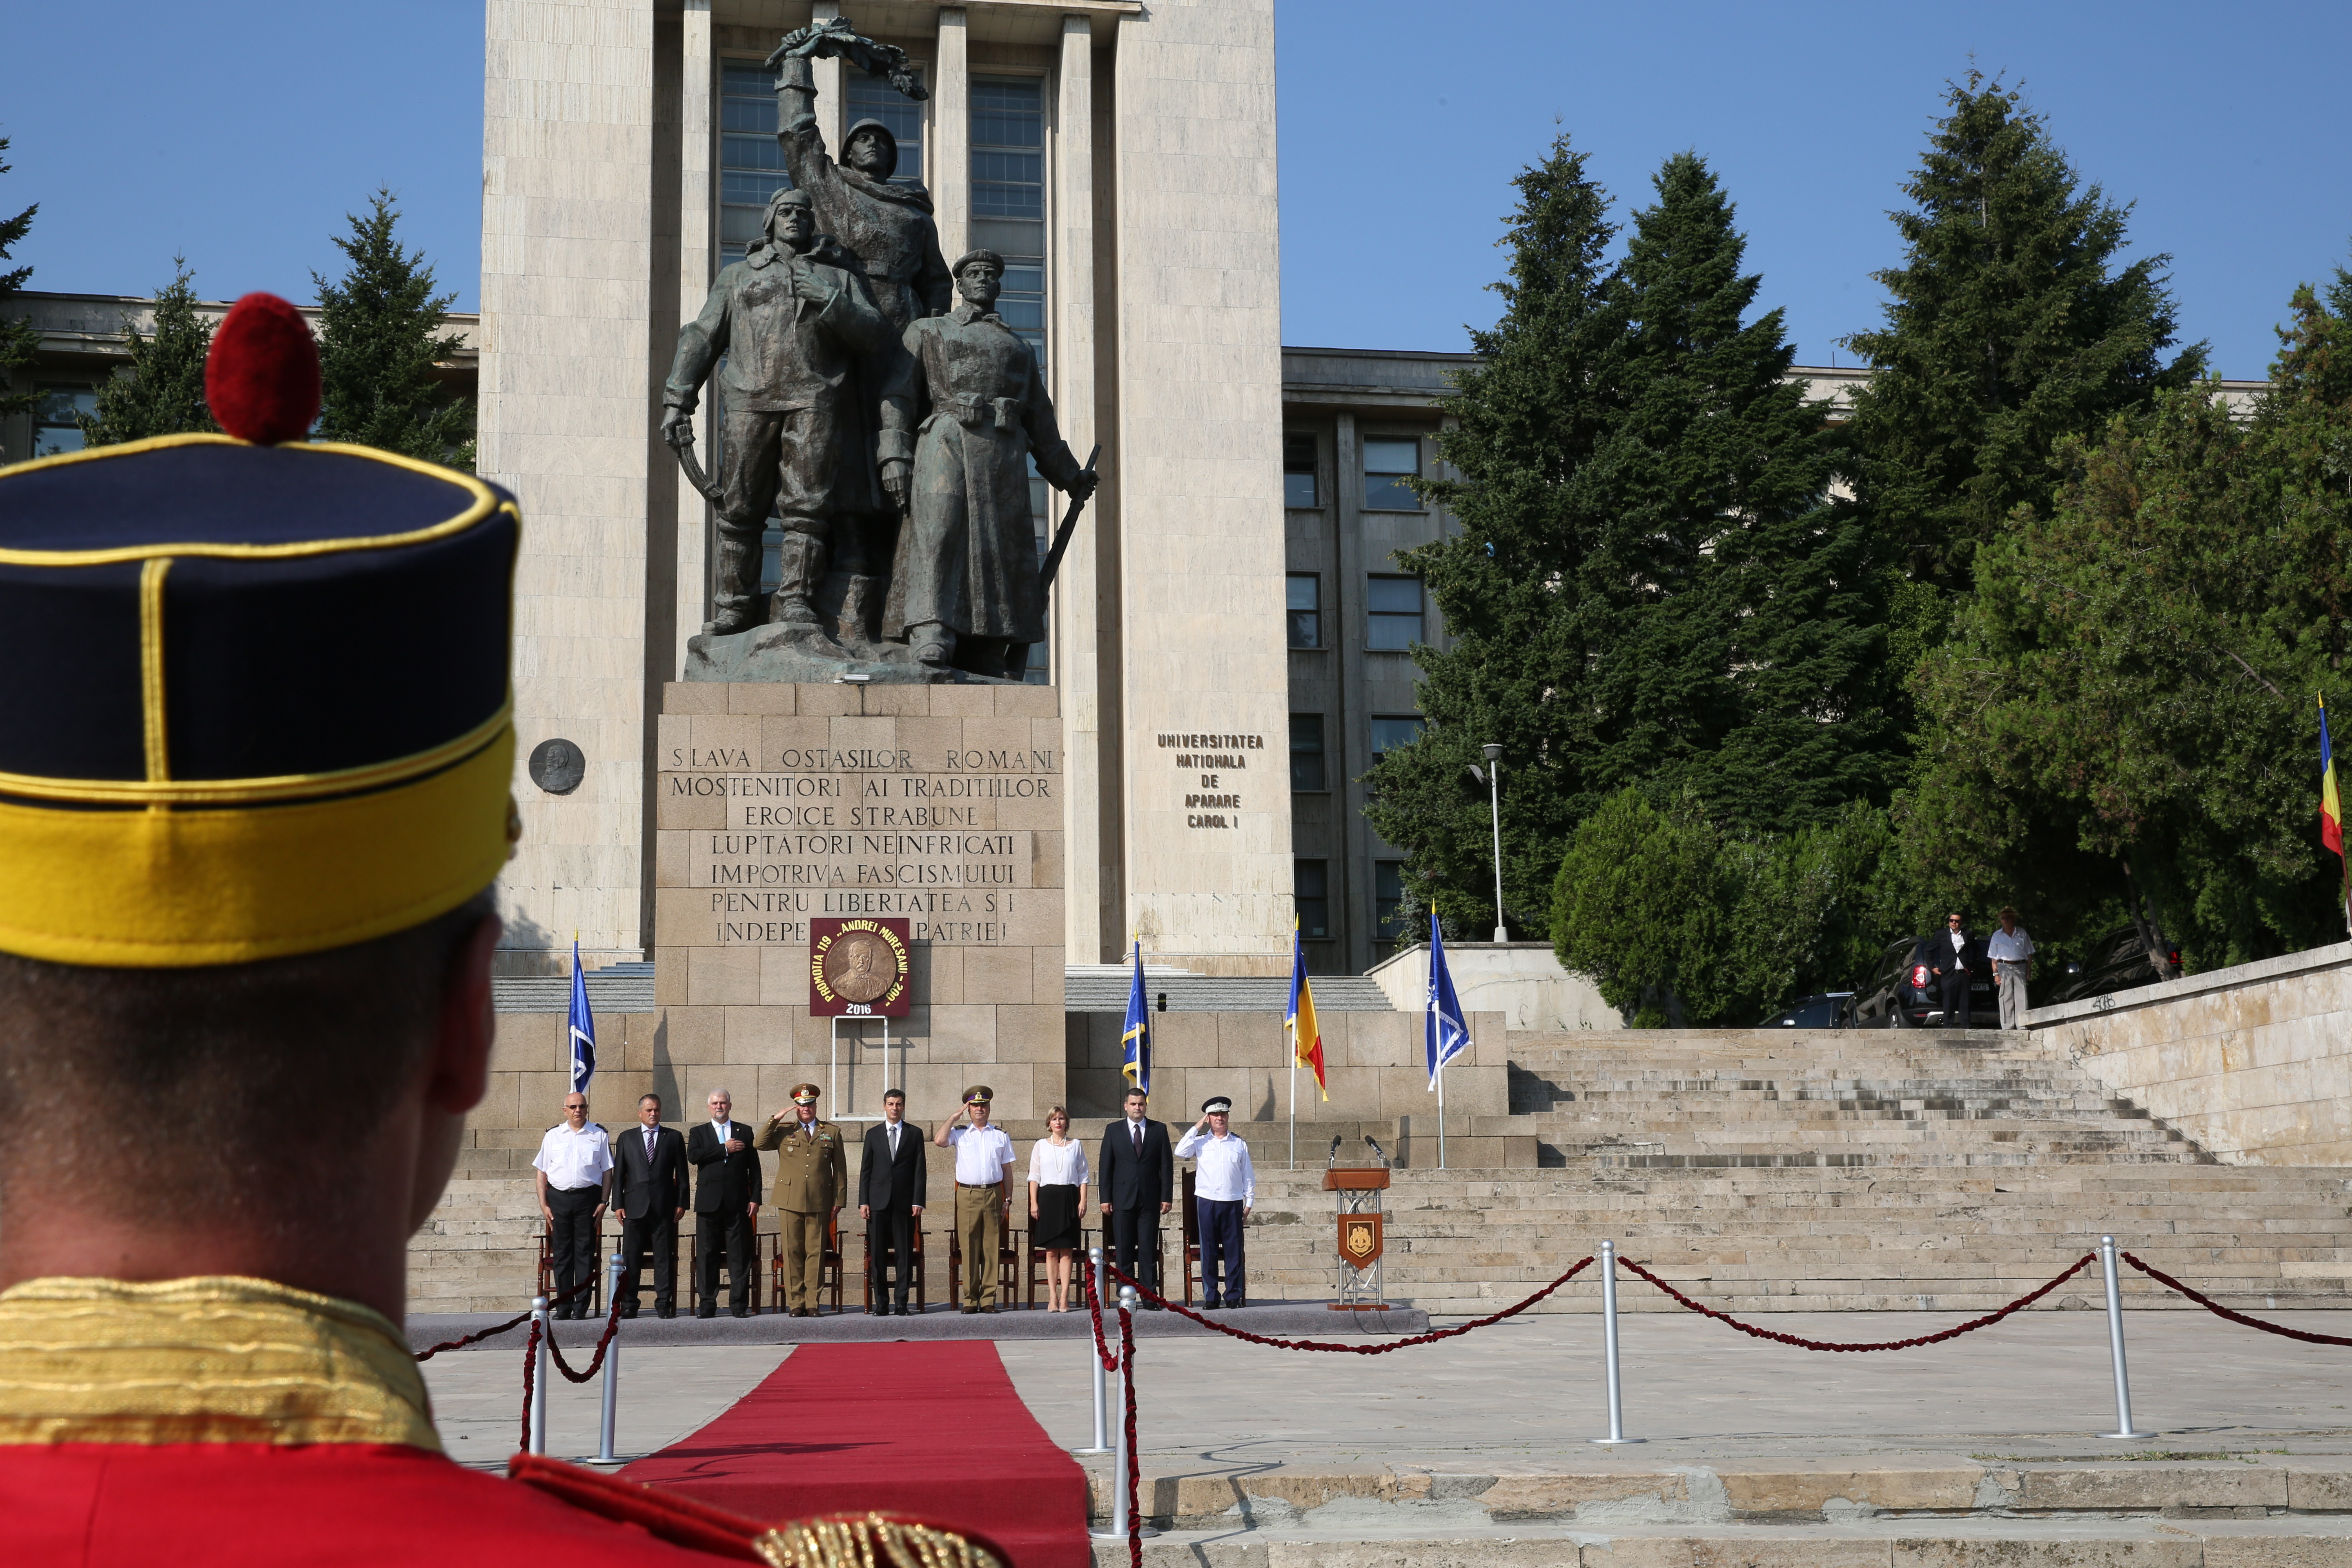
1804, 1344
530, 1378
603, 1345
1381, 1349
514, 1322
1134, 1449
2219, 1310
1093, 1306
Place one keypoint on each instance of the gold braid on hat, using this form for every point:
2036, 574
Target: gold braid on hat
869, 1540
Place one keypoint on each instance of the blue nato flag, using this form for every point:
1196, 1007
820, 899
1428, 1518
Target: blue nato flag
1135, 1039
1446, 1032
583, 1027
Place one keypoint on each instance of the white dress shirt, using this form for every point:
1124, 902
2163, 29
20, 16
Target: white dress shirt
980, 1153
2010, 947
1959, 940
1062, 1167
574, 1160
1222, 1173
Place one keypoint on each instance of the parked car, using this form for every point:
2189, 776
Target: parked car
2117, 961
1904, 992
1822, 1010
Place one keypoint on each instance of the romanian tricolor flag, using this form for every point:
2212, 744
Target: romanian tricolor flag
1306, 1034
2331, 804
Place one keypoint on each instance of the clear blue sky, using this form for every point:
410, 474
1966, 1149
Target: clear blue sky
242, 134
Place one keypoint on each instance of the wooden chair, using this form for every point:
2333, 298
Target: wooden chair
595, 1303
828, 1266
694, 1273
1011, 1250
914, 1252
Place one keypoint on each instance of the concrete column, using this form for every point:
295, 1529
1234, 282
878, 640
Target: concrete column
827, 72
949, 175
698, 248
1351, 884
568, 277
1078, 628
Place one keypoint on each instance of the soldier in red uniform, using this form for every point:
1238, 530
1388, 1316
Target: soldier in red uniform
255, 745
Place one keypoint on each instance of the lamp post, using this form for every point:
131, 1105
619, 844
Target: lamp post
1492, 777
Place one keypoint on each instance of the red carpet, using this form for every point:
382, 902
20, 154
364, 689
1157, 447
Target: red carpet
930, 1429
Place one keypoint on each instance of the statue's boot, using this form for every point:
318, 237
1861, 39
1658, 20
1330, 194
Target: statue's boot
800, 564
934, 645
736, 598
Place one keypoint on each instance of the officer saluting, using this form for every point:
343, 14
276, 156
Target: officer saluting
811, 1176
255, 756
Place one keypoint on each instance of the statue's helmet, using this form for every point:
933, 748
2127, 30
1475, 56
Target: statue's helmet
994, 262
889, 142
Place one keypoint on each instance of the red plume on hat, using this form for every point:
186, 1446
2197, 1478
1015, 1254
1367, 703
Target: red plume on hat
261, 375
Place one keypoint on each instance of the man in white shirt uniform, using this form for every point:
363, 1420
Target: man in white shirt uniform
1225, 1189
2010, 949
571, 1162
983, 1179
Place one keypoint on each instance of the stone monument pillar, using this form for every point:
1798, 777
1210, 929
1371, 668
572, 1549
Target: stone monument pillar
781, 804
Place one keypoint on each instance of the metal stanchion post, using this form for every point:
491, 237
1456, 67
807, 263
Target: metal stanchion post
2115, 1343
1101, 1444
540, 1374
612, 1373
1122, 1502
1609, 1347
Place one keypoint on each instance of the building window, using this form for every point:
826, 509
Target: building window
1298, 471
1388, 900
1389, 461
867, 98
1311, 890
1389, 733
1008, 195
55, 423
1303, 599
1306, 752
751, 163
1394, 605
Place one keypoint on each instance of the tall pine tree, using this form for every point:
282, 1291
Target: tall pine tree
2011, 328
1734, 638
380, 338
17, 339
1648, 589
161, 391
1527, 421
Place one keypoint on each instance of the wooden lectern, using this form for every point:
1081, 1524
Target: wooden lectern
1360, 1238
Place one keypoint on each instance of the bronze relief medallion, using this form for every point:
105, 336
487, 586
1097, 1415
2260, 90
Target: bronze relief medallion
860, 966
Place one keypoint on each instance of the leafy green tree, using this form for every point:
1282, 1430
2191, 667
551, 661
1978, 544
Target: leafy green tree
380, 338
1642, 905
161, 391
1529, 415
2011, 328
2126, 706
17, 339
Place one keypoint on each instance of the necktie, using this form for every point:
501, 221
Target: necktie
1136, 1128
649, 1145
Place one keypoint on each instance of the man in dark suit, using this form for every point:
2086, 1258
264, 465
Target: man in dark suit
1950, 956
647, 1187
1138, 1172
726, 1205
891, 1179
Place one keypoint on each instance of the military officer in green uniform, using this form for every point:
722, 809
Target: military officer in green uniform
812, 1177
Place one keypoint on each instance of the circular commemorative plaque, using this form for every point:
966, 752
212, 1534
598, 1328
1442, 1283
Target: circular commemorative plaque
860, 966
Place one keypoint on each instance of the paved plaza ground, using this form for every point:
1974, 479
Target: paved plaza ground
1528, 1394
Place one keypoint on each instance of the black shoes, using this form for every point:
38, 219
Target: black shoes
705, 1312
629, 1311
1213, 1305
665, 1311
742, 1311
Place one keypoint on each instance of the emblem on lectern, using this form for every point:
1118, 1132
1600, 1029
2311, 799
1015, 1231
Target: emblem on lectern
1359, 1239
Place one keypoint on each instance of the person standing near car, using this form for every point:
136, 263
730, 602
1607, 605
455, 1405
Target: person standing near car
1951, 964
2010, 951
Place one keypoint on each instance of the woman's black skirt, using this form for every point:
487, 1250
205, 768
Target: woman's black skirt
1056, 1223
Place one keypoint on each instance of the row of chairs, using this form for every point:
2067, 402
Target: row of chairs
1018, 1266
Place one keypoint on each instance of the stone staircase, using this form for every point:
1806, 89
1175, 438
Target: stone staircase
1825, 1171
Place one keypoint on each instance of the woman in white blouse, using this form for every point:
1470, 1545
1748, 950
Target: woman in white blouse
1057, 1197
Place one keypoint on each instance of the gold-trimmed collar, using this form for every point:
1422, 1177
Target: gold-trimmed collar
214, 1359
